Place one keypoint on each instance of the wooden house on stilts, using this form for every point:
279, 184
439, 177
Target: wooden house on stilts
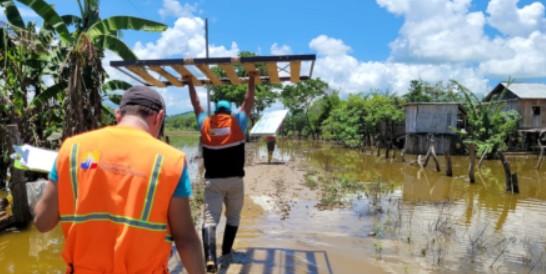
433, 122
529, 99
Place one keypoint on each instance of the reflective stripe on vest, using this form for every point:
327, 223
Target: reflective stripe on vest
105, 216
224, 146
124, 220
152, 184
74, 171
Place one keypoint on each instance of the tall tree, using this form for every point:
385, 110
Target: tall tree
488, 126
346, 122
299, 98
382, 110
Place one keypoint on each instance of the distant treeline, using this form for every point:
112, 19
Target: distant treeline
182, 121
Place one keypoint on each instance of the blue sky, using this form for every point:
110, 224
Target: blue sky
360, 45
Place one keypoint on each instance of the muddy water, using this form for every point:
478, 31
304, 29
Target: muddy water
424, 222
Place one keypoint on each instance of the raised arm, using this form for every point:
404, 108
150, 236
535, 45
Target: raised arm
197, 108
248, 103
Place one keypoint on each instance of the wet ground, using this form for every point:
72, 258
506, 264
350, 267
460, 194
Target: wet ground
415, 221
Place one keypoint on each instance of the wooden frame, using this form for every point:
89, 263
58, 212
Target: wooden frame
169, 72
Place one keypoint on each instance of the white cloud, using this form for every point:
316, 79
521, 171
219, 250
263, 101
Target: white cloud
174, 8
440, 31
349, 75
185, 39
327, 46
447, 33
280, 50
511, 20
527, 61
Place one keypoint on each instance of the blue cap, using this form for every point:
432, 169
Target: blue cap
223, 104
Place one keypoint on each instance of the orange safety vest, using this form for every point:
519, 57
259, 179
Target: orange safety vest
223, 146
115, 185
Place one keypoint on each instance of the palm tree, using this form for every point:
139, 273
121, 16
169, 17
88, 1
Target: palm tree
82, 68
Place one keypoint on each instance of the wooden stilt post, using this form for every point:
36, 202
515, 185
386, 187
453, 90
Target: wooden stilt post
472, 151
510, 179
432, 152
449, 170
435, 158
541, 153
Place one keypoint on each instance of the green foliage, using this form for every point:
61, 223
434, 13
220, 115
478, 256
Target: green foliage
321, 109
356, 120
488, 124
76, 60
421, 91
183, 121
382, 108
299, 98
346, 122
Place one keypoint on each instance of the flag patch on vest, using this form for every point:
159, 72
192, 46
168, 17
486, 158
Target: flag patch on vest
91, 160
220, 131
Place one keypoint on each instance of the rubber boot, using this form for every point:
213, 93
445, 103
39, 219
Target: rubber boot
269, 157
229, 238
209, 246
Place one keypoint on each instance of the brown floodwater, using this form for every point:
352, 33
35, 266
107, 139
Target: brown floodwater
421, 222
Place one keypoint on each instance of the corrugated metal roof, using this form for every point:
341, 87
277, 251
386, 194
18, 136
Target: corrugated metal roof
527, 90
431, 103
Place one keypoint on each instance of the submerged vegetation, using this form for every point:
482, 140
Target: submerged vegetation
444, 222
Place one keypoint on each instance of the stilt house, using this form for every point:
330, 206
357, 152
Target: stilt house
433, 122
529, 99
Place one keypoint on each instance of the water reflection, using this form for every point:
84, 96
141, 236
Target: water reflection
483, 224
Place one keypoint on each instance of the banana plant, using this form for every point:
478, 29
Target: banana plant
82, 67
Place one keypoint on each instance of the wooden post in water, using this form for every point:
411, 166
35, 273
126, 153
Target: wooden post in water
515, 183
541, 153
449, 170
472, 151
510, 179
419, 161
21, 210
432, 152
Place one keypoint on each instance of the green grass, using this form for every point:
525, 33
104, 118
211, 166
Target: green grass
311, 183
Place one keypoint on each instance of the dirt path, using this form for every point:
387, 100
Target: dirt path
283, 232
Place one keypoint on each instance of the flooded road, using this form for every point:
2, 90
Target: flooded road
405, 219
